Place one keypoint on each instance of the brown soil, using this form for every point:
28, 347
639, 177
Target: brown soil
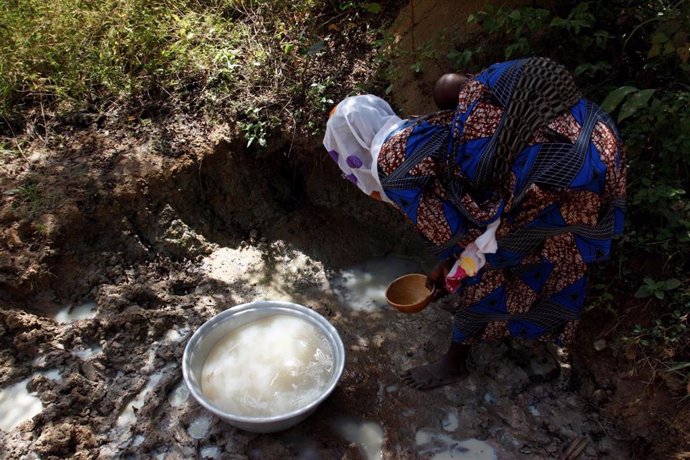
629, 389
438, 25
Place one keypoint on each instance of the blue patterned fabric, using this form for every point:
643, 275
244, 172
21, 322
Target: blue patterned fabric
559, 209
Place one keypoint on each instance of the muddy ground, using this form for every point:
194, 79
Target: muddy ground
161, 239
163, 220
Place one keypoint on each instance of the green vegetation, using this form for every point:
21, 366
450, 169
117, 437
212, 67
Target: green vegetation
633, 58
247, 60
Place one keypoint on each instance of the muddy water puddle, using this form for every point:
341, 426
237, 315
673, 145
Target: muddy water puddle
363, 286
71, 313
17, 404
368, 436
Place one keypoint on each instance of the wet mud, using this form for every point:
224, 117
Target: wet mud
120, 392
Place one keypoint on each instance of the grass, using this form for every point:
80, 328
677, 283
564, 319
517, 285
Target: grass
240, 58
82, 52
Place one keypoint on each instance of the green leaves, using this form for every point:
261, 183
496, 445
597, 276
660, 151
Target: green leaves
615, 97
579, 18
635, 100
460, 59
657, 288
593, 68
373, 8
670, 40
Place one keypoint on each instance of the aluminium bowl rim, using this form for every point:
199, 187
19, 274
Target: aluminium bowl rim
195, 388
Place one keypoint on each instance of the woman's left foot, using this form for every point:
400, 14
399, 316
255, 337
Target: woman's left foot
433, 375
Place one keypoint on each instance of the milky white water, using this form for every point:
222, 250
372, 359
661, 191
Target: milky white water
127, 415
367, 435
271, 366
210, 452
176, 335
178, 395
363, 287
70, 313
437, 446
87, 352
450, 422
200, 427
17, 405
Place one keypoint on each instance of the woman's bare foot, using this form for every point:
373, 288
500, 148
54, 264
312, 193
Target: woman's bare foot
449, 369
432, 376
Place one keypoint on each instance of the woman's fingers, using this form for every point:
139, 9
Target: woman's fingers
436, 280
430, 283
438, 293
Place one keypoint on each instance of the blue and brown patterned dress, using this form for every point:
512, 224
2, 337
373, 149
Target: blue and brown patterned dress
555, 178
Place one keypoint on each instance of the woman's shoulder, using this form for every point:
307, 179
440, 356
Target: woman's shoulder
494, 72
475, 90
392, 152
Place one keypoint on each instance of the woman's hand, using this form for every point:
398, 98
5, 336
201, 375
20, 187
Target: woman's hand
436, 280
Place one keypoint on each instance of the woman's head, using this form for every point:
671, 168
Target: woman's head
354, 134
447, 89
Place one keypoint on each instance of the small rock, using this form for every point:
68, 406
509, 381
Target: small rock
89, 371
600, 344
450, 422
55, 440
599, 395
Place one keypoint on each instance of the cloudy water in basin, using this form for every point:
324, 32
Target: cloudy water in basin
363, 286
270, 366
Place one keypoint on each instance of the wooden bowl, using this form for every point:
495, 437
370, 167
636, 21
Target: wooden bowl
408, 293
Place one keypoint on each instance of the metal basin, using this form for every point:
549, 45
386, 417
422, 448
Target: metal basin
204, 339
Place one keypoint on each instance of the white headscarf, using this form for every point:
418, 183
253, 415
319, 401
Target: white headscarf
354, 135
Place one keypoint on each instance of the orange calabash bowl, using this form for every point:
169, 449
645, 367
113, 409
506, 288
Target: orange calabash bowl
408, 293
